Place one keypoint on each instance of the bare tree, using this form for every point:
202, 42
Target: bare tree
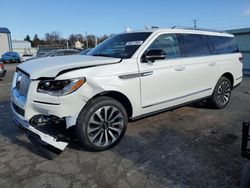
53, 38
73, 38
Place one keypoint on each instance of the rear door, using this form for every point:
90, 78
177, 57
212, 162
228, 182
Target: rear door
201, 68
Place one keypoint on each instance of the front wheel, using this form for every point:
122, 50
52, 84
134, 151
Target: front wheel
101, 124
222, 93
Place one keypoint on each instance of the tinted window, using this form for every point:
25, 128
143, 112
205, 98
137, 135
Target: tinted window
60, 53
27, 55
70, 52
168, 43
222, 45
192, 45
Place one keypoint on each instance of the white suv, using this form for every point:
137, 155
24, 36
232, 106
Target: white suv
128, 76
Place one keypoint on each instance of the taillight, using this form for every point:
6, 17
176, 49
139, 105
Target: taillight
241, 59
2, 65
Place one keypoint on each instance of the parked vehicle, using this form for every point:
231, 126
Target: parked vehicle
11, 57
55, 53
26, 56
129, 76
84, 52
2, 70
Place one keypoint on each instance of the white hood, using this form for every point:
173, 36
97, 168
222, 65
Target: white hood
51, 66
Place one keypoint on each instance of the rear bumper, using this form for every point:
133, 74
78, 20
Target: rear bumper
2, 73
44, 140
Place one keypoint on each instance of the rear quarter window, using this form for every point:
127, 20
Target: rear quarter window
222, 45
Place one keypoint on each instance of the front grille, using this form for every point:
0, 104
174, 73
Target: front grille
22, 83
18, 110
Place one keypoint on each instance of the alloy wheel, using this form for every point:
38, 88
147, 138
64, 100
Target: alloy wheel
105, 126
224, 92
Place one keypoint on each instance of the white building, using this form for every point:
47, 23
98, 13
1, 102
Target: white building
78, 45
23, 47
5, 41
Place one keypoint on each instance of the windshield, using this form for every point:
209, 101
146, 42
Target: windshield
120, 46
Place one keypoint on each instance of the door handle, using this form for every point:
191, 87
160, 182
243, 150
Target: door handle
180, 68
211, 64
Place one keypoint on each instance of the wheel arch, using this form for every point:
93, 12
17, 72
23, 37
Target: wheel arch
229, 76
123, 99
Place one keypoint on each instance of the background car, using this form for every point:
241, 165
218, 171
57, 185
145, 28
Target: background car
11, 57
26, 56
2, 70
55, 53
84, 52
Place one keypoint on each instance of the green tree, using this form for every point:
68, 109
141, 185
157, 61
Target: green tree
36, 41
27, 38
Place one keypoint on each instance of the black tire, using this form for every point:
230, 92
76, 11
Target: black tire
222, 93
97, 131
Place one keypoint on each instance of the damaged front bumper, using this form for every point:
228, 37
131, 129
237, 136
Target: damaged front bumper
42, 140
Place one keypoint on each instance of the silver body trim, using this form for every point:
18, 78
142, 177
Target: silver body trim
239, 78
135, 75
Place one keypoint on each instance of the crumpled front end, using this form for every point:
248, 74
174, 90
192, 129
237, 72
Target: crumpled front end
29, 106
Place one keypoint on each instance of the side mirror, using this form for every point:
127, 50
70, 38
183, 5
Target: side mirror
154, 54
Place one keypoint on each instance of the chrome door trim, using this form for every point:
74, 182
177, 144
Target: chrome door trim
239, 78
129, 76
148, 73
135, 75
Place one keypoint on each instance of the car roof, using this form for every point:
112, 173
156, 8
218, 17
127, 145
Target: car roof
66, 50
187, 31
4, 30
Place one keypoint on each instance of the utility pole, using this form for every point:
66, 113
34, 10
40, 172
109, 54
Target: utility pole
87, 40
95, 41
195, 23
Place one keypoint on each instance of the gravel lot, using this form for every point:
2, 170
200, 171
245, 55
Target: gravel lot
189, 147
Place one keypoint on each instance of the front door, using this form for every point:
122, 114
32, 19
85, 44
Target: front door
162, 81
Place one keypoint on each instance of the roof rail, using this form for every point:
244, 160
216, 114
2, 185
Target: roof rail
198, 29
151, 27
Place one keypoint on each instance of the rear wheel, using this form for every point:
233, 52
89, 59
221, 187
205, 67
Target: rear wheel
222, 93
101, 124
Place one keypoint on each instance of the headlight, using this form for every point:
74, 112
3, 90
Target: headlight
60, 87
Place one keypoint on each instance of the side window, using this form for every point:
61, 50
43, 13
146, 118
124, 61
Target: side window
69, 52
192, 45
222, 45
60, 53
168, 43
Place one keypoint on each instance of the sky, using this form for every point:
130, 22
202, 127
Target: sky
101, 17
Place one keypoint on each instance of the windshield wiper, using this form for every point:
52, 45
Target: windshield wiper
103, 55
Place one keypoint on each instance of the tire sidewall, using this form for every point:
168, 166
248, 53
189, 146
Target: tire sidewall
85, 115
